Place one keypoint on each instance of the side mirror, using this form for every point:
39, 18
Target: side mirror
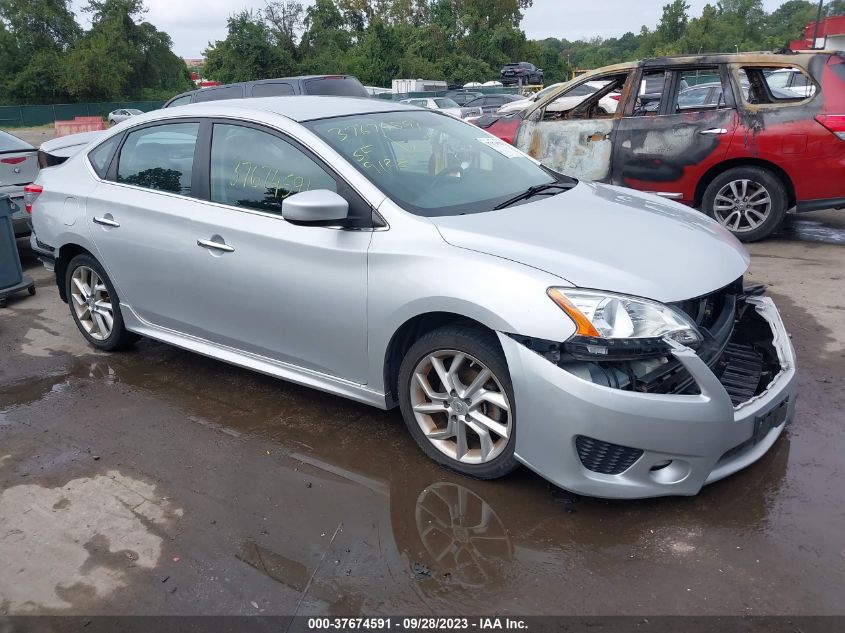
319, 206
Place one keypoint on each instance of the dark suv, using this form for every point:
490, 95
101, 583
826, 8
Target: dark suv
521, 72
334, 85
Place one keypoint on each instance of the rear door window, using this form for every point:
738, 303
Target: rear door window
254, 169
159, 157
272, 90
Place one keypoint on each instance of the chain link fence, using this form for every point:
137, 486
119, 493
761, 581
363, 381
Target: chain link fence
33, 115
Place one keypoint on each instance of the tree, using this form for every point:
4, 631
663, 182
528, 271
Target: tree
121, 57
247, 52
787, 22
834, 8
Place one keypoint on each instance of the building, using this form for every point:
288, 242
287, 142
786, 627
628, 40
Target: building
830, 36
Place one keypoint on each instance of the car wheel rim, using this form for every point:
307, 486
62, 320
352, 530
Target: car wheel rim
92, 303
742, 205
461, 407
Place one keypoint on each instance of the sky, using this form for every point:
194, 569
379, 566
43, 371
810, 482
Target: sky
194, 23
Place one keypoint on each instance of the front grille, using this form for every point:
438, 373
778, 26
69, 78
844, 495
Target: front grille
604, 457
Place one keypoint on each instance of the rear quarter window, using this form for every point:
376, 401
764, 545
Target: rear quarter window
100, 156
218, 94
775, 84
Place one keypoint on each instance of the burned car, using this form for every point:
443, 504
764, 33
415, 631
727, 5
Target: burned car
400, 257
743, 158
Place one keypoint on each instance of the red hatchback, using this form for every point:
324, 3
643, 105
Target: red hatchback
743, 137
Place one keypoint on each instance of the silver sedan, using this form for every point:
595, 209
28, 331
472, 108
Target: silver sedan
121, 114
18, 168
399, 257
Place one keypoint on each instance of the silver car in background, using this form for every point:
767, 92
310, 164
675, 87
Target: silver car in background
121, 114
18, 168
400, 257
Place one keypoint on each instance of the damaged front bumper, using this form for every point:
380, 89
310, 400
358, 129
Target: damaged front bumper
608, 442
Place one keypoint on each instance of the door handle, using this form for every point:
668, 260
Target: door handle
598, 136
216, 246
106, 222
715, 130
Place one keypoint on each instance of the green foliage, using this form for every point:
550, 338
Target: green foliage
46, 57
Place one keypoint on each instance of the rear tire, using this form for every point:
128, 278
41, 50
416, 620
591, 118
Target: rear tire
466, 422
95, 306
750, 202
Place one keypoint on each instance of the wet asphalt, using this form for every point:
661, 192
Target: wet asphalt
157, 481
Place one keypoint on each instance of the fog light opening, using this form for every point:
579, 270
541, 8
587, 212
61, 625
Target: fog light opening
670, 471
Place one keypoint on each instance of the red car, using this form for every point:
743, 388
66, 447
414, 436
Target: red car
744, 147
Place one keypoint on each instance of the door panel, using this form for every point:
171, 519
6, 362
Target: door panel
570, 132
297, 294
141, 224
145, 255
289, 292
581, 149
667, 148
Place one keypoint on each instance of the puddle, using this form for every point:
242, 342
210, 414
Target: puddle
76, 542
807, 230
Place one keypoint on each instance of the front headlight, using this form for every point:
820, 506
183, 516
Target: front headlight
607, 322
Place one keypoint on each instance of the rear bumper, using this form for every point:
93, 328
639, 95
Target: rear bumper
704, 436
20, 218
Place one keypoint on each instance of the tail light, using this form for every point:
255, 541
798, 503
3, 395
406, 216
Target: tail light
833, 122
30, 195
615, 97
17, 160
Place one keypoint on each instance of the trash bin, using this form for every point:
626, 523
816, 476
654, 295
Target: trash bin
12, 279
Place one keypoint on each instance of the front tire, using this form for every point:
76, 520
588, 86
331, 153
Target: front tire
456, 398
750, 202
95, 306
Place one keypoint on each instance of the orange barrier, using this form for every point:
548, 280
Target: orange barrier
79, 124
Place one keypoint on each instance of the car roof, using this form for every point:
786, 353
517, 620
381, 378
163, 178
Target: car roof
296, 107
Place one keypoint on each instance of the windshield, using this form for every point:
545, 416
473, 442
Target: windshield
446, 103
430, 164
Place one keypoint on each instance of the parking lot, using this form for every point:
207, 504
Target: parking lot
159, 481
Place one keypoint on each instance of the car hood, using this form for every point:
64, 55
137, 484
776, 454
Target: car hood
608, 238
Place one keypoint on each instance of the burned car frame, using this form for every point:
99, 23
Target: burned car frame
744, 160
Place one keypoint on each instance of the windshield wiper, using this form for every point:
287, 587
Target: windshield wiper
532, 191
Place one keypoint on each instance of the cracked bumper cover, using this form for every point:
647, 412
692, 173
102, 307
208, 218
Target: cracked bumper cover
704, 435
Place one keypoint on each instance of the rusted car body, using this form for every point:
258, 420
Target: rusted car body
745, 160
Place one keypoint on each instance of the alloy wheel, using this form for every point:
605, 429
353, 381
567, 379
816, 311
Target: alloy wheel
461, 406
742, 205
92, 303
